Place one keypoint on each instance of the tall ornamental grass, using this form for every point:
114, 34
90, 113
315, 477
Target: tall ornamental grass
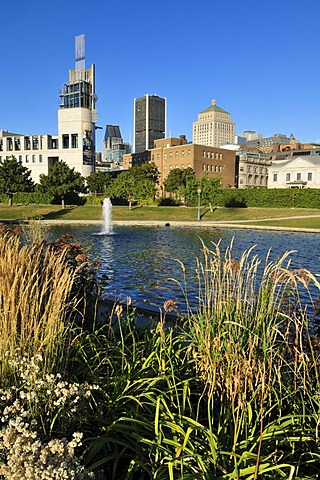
229, 392
34, 302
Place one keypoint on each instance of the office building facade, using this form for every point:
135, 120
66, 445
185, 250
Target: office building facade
213, 128
150, 121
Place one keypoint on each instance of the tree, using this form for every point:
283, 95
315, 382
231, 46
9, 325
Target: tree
136, 184
14, 177
210, 190
177, 180
99, 182
62, 182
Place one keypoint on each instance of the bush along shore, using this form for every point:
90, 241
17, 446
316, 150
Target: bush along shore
230, 391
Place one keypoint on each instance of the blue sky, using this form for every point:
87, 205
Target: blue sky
259, 61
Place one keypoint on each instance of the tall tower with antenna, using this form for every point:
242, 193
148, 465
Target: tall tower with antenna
77, 115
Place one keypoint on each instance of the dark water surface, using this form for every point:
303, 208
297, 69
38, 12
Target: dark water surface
140, 262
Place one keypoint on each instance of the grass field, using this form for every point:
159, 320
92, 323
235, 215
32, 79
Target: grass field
260, 216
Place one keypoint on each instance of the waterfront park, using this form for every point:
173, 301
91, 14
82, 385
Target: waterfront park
217, 379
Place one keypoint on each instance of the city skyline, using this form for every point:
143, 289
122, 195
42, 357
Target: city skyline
257, 64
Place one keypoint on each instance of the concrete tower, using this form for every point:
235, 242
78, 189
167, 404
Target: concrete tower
77, 115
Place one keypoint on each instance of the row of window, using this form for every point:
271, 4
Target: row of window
177, 166
250, 169
14, 143
213, 155
36, 143
170, 155
27, 158
211, 168
290, 178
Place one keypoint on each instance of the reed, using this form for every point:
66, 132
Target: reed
34, 303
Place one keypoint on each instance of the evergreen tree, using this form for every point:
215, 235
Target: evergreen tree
14, 177
62, 182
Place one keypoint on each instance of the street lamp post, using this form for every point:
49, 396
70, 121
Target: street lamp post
199, 193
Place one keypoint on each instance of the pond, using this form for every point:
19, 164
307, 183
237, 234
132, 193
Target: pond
143, 262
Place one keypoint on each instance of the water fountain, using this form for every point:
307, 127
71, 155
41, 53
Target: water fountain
107, 228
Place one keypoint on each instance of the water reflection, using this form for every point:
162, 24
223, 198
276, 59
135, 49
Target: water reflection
140, 262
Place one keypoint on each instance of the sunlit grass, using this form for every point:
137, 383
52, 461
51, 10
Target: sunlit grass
165, 214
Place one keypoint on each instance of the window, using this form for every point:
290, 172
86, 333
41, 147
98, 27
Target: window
27, 158
165, 156
40, 158
203, 167
74, 140
27, 143
182, 153
204, 154
288, 176
33, 159
275, 177
17, 143
35, 143
309, 176
65, 141
20, 158
298, 177
189, 153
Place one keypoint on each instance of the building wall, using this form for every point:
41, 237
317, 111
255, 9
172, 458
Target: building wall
253, 170
295, 172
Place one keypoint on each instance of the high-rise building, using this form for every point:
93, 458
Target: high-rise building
113, 145
150, 122
213, 127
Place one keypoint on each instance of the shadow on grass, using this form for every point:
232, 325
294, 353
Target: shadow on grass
57, 213
208, 210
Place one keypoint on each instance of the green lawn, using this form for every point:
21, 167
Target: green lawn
166, 214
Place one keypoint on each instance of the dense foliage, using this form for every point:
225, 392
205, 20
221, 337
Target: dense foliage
62, 182
14, 177
98, 182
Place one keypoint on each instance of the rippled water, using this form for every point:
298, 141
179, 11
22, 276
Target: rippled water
140, 262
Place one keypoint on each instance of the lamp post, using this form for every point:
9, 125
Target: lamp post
199, 193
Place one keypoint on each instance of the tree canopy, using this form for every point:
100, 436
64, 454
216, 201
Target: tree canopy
177, 180
136, 184
62, 182
98, 182
14, 177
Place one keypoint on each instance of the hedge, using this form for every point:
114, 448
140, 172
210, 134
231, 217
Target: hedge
28, 198
284, 197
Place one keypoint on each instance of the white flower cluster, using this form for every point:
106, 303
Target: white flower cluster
23, 453
38, 389
29, 458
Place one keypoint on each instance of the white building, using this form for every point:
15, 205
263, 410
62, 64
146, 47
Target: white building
295, 172
77, 116
213, 127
